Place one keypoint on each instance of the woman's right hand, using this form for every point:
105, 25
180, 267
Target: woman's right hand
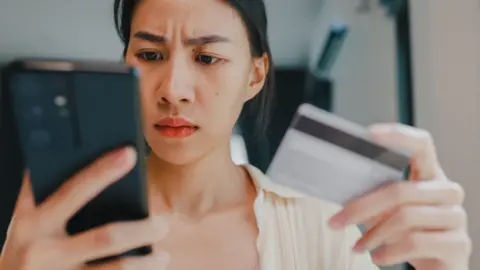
37, 238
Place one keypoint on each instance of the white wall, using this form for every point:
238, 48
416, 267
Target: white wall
84, 29
290, 26
58, 28
446, 50
365, 73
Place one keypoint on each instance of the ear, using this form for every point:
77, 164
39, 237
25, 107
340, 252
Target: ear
258, 76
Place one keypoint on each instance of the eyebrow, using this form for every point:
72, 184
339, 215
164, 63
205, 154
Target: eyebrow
203, 40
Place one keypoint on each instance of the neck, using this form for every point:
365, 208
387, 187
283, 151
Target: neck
212, 183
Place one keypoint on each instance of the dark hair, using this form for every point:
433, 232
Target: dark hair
253, 13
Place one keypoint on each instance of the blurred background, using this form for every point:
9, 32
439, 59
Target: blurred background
410, 61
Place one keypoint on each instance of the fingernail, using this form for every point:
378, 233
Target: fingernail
337, 221
124, 155
359, 248
377, 259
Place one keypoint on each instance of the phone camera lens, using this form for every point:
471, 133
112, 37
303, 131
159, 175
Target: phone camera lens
60, 101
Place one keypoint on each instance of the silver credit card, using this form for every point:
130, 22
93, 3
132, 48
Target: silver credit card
329, 157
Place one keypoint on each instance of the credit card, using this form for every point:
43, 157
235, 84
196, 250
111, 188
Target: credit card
329, 157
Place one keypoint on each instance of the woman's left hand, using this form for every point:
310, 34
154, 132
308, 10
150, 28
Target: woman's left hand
421, 221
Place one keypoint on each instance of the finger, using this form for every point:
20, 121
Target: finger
153, 261
25, 202
115, 238
395, 195
21, 222
424, 245
414, 140
412, 218
85, 185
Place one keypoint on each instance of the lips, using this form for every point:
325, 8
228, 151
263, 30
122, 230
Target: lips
176, 127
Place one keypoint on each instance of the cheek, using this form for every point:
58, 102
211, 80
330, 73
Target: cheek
222, 89
229, 83
222, 94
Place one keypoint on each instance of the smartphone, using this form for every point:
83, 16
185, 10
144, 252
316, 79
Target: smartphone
332, 158
11, 162
59, 116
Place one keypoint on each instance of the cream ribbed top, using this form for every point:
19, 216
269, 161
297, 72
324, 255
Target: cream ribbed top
294, 234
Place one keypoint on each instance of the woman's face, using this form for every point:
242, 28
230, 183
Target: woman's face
195, 65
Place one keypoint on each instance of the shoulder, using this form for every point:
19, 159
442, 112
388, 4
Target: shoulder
304, 220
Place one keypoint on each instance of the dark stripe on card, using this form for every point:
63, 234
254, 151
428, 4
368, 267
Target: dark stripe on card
351, 143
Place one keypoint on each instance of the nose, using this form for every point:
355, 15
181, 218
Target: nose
176, 87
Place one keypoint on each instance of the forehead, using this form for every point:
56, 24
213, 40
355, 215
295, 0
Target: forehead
191, 17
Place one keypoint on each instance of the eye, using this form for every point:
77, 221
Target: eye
150, 56
207, 59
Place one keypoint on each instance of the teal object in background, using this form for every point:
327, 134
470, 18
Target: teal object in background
392, 268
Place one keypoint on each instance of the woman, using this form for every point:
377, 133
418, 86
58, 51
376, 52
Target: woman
200, 62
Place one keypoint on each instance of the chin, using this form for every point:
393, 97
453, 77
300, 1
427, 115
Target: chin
177, 158
177, 153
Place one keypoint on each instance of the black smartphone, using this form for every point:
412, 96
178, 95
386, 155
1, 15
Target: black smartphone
58, 116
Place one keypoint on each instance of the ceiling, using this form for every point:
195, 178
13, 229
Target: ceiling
84, 29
